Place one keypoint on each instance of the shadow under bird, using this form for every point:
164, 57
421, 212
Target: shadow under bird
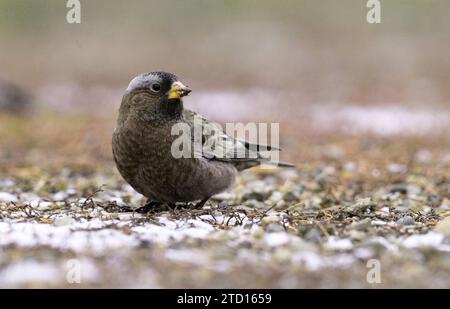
143, 145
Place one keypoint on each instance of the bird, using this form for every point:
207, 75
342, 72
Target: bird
143, 145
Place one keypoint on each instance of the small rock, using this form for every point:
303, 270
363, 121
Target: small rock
223, 204
63, 220
274, 228
224, 196
401, 209
423, 156
258, 190
276, 239
434, 199
13, 98
269, 219
281, 205
350, 167
409, 189
60, 196
337, 244
443, 226
7, 197
255, 204
376, 173
406, 220
288, 174
275, 197
282, 255
7, 183
397, 168
44, 206
254, 195
291, 196
356, 235
445, 205
361, 225
313, 235
333, 152
360, 205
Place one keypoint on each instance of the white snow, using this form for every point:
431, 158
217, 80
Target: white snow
334, 243
7, 197
382, 120
430, 239
276, 239
30, 272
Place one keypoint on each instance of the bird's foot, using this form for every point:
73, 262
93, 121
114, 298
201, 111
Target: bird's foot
150, 206
157, 206
124, 209
200, 204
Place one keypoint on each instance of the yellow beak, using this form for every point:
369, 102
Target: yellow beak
178, 90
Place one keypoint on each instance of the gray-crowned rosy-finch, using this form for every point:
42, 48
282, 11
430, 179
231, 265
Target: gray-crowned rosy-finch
143, 145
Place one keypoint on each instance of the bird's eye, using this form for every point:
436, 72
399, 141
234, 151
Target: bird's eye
156, 87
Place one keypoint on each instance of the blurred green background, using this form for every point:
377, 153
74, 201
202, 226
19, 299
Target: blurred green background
320, 50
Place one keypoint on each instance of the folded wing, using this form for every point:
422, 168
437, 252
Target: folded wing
214, 144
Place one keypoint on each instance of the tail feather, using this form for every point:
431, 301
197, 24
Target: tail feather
280, 164
260, 147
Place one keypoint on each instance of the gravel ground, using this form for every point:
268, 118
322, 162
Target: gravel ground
358, 211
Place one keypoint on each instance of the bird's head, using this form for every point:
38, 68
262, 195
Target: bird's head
155, 94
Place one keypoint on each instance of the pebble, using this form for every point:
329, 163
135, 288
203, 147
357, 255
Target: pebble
357, 235
350, 166
361, 225
281, 205
6, 183
360, 205
7, 197
274, 228
409, 189
291, 196
253, 195
45, 206
276, 239
423, 156
334, 152
313, 235
282, 255
224, 196
13, 98
397, 168
275, 197
335, 243
269, 219
60, 196
406, 220
255, 204
63, 220
443, 226
223, 204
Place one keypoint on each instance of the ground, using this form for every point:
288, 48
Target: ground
359, 210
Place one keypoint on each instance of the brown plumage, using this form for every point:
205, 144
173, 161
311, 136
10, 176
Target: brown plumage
142, 144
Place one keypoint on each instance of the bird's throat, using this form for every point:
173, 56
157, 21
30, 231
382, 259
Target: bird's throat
174, 108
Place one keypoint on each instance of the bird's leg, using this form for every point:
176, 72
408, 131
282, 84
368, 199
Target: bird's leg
202, 203
125, 209
149, 206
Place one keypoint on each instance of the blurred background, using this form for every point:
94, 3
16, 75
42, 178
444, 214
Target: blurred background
314, 66
364, 112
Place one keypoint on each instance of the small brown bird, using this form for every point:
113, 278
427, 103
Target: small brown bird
143, 145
